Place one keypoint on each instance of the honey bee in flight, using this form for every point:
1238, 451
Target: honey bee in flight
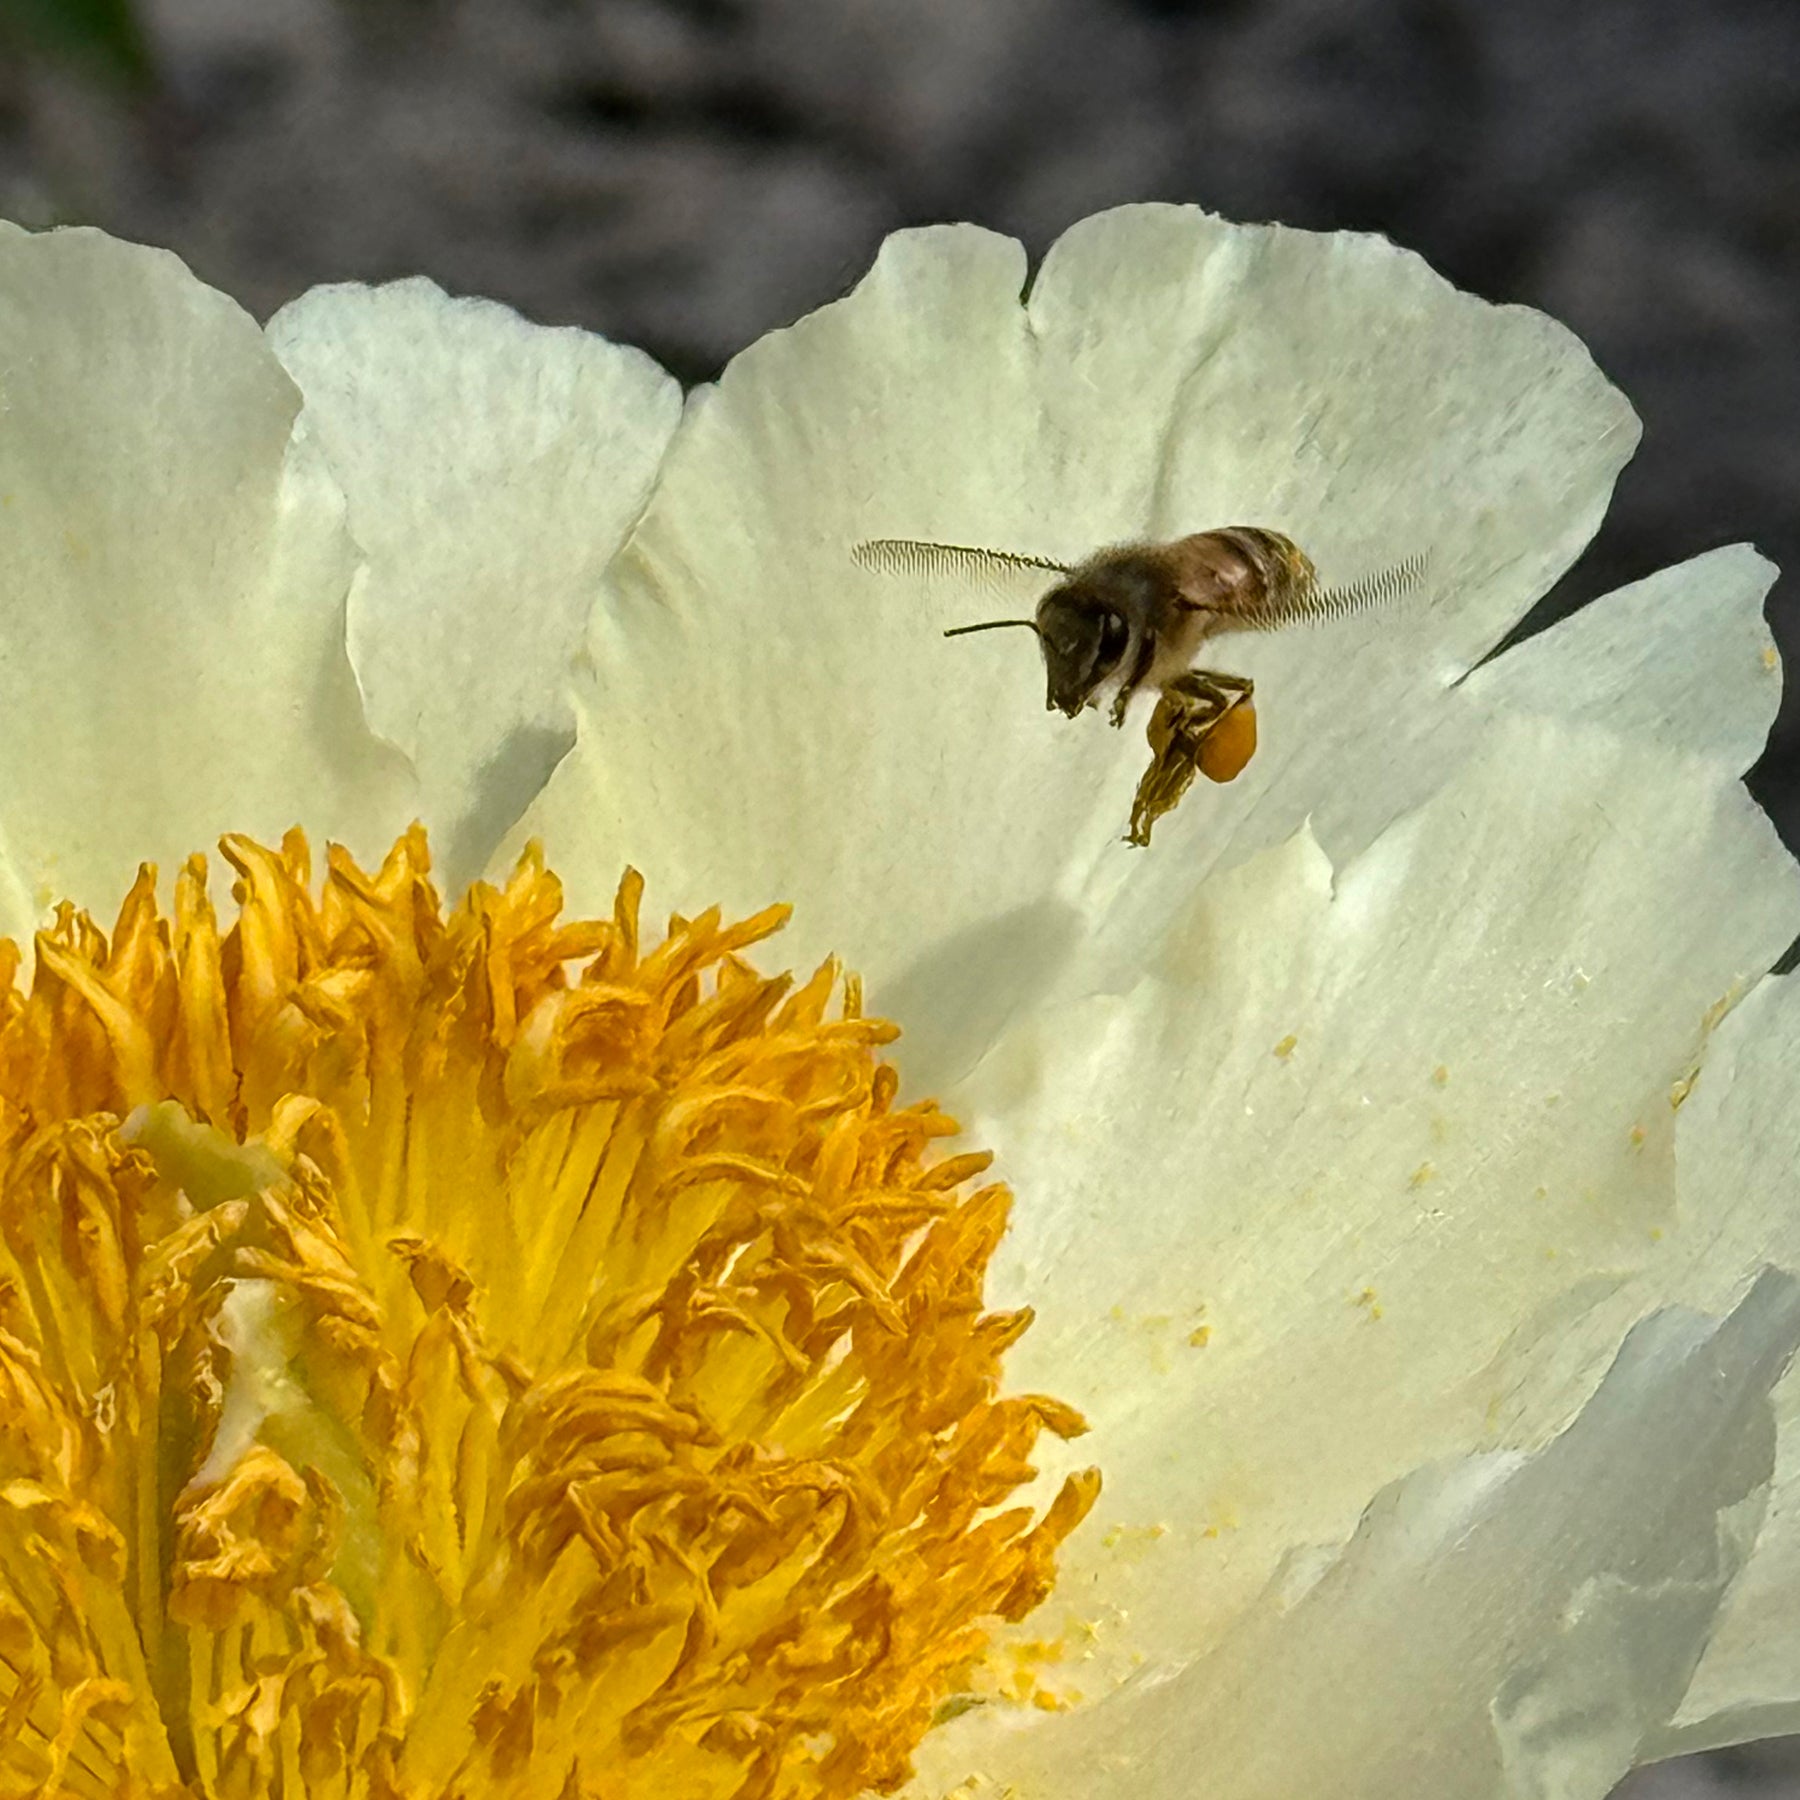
1135, 617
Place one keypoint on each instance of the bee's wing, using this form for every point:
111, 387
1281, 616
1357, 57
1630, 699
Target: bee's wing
969, 564
1309, 601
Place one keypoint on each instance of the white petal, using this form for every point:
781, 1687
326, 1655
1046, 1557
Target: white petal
1353, 1162
492, 468
1576, 909
1739, 1134
768, 720
1505, 1628
172, 587
1683, 658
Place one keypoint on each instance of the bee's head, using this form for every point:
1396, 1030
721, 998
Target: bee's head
1084, 639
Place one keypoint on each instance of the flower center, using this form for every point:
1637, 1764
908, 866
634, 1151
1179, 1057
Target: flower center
479, 1354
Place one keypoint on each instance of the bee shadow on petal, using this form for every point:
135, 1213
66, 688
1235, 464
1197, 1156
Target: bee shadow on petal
507, 784
954, 1002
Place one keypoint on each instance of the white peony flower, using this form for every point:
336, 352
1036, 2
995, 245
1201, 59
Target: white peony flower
458, 1352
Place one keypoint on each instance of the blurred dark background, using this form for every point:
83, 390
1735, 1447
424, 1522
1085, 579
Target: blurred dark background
685, 174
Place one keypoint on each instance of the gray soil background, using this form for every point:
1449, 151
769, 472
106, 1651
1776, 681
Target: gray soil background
686, 174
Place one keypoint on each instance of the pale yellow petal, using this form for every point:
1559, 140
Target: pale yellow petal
491, 469
1344, 1168
1496, 1628
1578, 910
1739, 1137
767, 718
1683, 658
173, 585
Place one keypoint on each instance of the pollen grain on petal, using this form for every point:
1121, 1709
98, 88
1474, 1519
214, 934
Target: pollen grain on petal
473, 1352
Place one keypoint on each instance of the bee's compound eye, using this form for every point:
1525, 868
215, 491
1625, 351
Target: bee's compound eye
1114, 636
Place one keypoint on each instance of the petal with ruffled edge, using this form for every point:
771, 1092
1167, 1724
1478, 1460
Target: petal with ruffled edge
767, 718
1682, 661
1739, 1133
1496, 1627
172, 590
491, 468
1373, 1166
1357, 1156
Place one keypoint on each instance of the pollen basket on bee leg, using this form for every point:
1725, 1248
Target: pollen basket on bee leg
1199, 727
1227, 748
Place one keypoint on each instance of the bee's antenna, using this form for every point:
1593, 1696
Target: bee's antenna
990, 625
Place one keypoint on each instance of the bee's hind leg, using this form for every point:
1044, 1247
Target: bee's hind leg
1204, 724
1215, 682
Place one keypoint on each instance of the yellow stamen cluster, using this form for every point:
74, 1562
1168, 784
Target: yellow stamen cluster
474, 1354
